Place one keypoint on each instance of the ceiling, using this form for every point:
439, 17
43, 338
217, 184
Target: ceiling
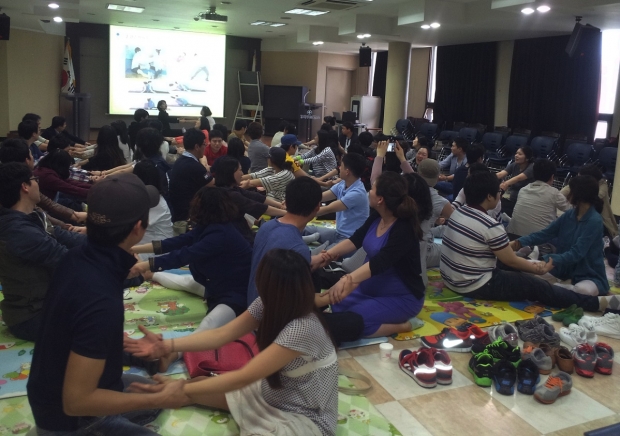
462, 21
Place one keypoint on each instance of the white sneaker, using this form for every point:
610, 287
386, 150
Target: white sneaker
590, 336
606, 325
573, 336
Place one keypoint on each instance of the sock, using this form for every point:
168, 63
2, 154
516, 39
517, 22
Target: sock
534, 254
610, 301
311, 238
614, 302
416, 323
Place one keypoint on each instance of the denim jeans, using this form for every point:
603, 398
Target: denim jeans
518, 286
326, 234
126, 424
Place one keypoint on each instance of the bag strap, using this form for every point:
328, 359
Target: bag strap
247, 346
354, 375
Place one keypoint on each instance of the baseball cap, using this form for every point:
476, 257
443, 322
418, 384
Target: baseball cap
120, 199
288, 140
428, 169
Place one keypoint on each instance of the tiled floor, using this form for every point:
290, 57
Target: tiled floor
464, 408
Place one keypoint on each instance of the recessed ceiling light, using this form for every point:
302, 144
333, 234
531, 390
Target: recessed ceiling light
121, 8
543, 9
58, 19
317, 43
435, 25
425, 26
277, 24
258, 23
311, 12
363, 35
53, 5
527, 11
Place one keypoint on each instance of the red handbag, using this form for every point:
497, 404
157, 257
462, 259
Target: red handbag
229, 357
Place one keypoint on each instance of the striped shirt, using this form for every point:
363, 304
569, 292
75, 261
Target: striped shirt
274, 183
467, 258
322, 163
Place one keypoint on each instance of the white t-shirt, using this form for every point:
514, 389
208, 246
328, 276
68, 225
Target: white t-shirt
467, 257
126, 150
315, 394
160, 224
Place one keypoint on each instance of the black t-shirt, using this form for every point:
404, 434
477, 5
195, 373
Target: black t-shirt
83, 312
186, 178
166, 120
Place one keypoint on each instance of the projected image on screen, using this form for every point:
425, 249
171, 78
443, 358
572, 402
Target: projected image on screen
184, 69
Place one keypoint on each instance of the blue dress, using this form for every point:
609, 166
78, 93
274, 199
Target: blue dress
381, 299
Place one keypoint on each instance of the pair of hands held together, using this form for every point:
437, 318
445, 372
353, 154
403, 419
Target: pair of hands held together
398, 150
343, 287
169, 392
541, 267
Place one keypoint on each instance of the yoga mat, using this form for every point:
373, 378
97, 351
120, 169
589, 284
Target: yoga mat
445, 308
363, 342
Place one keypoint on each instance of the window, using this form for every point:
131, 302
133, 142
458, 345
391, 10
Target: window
432, 82
610, 65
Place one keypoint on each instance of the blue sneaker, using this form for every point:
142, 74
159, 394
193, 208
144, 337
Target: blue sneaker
504, 377
528, 377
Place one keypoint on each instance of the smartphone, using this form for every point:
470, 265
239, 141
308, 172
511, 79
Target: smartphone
391, 148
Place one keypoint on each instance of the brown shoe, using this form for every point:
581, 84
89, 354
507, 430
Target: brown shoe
564, 360
549, 351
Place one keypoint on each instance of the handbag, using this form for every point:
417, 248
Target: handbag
229, 357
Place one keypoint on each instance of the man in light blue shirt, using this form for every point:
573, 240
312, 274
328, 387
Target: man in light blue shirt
456, 159
350, 205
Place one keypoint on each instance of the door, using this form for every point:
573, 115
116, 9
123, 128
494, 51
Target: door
337, 91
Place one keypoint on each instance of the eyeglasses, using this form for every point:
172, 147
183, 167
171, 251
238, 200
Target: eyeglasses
35, 178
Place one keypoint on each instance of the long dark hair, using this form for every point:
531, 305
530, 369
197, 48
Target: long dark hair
418, 190
284, 284
236, 148
121, 130
212, 206
205, 124
323, 141
107, 145
59, 161
148, 173
226, 168
394, 190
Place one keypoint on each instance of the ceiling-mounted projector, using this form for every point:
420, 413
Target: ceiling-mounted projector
211, 15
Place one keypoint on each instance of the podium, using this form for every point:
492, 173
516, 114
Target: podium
309, 120
76, 110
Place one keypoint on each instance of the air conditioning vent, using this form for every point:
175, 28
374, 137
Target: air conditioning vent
333, 5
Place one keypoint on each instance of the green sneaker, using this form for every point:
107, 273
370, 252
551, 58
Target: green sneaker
573, 318
498, 350
559, 316
481, 366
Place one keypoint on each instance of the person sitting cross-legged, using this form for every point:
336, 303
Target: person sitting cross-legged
578, 238
537, 203
350, 202
387, 291
472, 244
30, 250
76, 380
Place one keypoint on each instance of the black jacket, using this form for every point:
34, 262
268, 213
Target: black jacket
401, 251
30, 250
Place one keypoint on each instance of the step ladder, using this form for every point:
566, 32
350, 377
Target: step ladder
250, 105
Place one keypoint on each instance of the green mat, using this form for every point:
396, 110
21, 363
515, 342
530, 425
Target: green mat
165, 310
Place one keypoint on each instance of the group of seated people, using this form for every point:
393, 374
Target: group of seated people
63, 283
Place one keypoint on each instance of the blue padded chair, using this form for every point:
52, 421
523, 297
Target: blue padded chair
448, 136
507, 152
607, 159
469, 133
577, 155
492, 143
543, 147
429, 130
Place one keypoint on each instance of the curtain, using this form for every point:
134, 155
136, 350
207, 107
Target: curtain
549, 91
379, 80
465, 89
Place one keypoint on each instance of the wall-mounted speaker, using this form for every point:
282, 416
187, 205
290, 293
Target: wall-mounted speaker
365, 56
573, 42
5, 27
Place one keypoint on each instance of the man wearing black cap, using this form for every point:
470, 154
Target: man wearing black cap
76, 379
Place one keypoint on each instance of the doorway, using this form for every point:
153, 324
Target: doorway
338, 84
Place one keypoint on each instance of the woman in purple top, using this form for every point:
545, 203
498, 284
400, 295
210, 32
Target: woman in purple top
387, 290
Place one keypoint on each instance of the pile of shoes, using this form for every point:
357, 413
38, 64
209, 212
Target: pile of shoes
428, 367
568, 316
589, 359
606, 325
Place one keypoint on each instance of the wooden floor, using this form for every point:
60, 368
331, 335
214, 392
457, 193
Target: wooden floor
464, 409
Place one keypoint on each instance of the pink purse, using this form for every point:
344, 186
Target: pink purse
229, 357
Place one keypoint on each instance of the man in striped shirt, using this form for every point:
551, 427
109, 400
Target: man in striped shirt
472, 243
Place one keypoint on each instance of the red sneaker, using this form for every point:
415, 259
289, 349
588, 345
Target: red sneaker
420, 366
450, 339
443, 365
604, 358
